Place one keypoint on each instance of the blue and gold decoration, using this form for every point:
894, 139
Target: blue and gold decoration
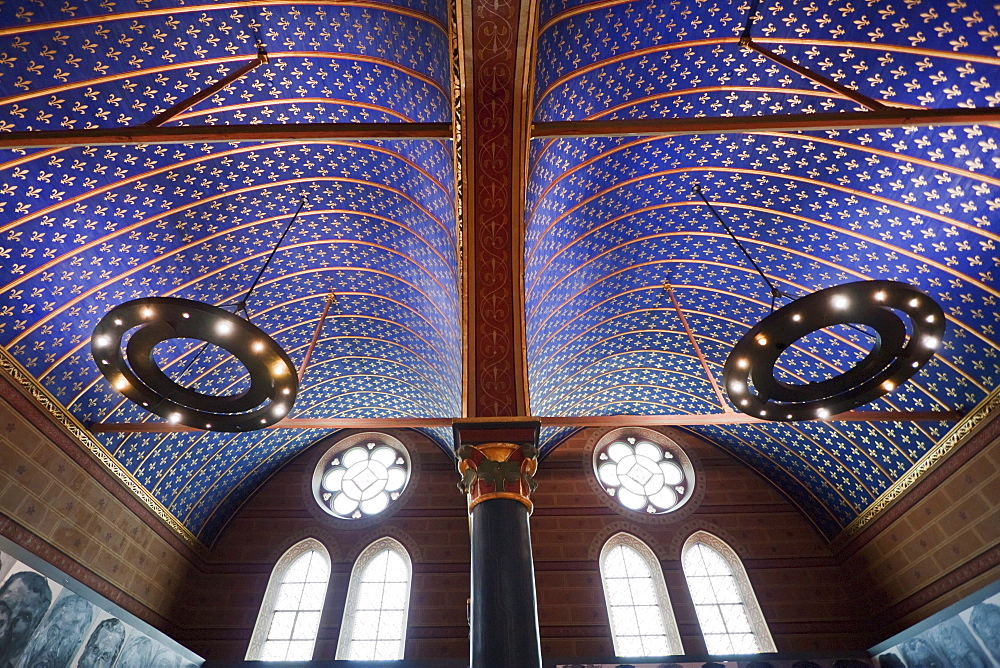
85, 229
611, 221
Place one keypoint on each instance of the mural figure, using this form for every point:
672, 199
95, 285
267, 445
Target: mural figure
60, 634
957, 646
28, 596
103, 645
138, 653
985, 621
919, 652
6, 621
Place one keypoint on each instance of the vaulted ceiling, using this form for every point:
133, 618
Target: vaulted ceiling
610, 223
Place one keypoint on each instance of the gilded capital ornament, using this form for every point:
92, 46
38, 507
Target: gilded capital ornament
497, 471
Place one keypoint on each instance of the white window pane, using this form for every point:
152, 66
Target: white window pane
710, 619
718, 644
630, 646
725, 590
362, 650
655, 646
390, 625
318, 570
614, 563
744, 643
289, 596
649, 619
281, 626
394, 596
388, 651
300, 650
701, 591
370, 595
635, 566
624, 622
722, 610
375, 570
366, 625
396, 570
297, 571
736, 618
274, 650
642, 591
693, 564
312, 597
306, 626
619, 592
714, 562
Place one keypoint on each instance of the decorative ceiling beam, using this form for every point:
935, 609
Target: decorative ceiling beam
209, 134
665, 127
597, 421
184, 105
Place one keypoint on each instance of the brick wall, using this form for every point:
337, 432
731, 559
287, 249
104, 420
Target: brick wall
938, 544
63, 506
796, 577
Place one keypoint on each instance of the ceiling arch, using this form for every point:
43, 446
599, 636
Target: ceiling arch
616, 230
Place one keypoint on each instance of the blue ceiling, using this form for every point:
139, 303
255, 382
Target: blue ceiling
608, 221
85, 229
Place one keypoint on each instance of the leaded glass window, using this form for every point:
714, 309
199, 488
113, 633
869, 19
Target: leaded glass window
642, 621
645, 475
378, 597
289, 618
361, 476
728, 613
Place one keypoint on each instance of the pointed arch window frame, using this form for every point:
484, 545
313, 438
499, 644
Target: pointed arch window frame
755, 616
267, 607
354, 589
671, 631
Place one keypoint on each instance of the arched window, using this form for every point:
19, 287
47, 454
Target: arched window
728, 612
378, 596
288, 621
642, 621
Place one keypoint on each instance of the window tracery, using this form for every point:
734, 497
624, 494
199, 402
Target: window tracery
728, 612
642, 620
374, 626
288, 621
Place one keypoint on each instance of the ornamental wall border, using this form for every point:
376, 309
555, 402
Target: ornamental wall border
951, 441
22, 379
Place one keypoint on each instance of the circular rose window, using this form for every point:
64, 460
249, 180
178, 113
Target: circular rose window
643, 475
360, 478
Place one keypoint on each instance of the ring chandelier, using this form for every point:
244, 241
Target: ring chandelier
273, 382
900, 349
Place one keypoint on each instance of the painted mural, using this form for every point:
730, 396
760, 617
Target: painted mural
42, 623
969, 639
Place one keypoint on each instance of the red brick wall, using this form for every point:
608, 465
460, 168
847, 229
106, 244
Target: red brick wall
937, 545
797, 580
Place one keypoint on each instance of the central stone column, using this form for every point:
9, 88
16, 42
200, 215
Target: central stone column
497, 461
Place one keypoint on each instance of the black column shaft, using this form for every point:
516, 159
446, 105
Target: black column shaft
504, 616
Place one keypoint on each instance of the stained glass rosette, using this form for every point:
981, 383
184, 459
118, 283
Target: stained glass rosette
643, 476
363, 480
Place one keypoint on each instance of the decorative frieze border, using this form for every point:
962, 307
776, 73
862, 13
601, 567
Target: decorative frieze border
958, 435
29, 387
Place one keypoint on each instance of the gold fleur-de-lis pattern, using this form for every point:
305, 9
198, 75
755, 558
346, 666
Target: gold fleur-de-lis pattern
84, 229
611, 222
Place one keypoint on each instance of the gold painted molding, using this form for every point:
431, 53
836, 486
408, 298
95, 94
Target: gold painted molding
960, 433
48, 404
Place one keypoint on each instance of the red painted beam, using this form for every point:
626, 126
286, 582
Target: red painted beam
576, 421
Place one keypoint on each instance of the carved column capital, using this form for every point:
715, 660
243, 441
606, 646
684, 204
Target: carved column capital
497, 471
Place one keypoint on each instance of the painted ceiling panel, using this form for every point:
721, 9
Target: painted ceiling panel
84, 229
614, 226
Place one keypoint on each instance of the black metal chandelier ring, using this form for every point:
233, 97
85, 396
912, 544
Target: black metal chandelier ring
898, 352
273, 382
